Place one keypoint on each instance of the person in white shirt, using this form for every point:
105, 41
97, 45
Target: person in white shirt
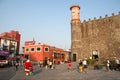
108, 65
85, 65
117, 64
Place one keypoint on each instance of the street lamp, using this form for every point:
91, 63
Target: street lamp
53, 54
53, 57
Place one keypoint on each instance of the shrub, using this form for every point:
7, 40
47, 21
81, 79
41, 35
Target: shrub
91, 61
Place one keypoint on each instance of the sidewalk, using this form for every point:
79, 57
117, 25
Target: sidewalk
61, 73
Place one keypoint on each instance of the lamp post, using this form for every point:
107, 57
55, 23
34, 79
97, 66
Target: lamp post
53, 66
53, 57
53, 54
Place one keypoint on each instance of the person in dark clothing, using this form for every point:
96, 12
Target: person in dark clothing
16, 65
80, 66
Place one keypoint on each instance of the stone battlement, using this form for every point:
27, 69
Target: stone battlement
101, 19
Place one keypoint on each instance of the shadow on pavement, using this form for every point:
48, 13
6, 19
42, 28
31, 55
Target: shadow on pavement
37, 71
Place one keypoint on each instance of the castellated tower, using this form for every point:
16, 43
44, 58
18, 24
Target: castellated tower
75, 31
98, 38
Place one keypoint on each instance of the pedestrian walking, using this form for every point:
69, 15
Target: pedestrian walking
46, 64
117, 64
80, 66
16, 65
50, 64
69, 65
108, 65
85, 65
40, 64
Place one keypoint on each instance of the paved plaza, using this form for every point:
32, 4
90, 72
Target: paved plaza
61, 73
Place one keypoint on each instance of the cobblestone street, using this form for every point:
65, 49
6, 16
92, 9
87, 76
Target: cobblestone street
61, 73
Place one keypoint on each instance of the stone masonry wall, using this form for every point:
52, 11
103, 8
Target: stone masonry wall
101, 34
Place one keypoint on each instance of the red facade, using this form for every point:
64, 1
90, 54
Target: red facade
42, 52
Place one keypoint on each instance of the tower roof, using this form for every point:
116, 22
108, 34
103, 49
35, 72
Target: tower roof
74, 6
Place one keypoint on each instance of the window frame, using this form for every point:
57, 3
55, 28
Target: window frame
39, 50
32, 48
45, 49
27, 50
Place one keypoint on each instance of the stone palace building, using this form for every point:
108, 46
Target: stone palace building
98, 38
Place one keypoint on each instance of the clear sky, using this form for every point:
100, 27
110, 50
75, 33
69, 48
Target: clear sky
48, 21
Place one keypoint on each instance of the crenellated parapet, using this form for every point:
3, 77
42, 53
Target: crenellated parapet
100, 20
94, 26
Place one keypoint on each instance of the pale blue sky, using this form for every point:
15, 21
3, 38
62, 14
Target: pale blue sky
48, 21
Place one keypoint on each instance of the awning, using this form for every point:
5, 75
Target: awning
4, 53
